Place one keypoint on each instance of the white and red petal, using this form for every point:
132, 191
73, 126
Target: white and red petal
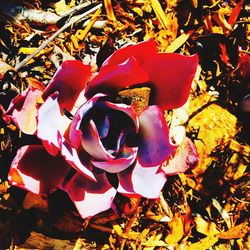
92, 143
186, 157
78, 159
75, 134
171, 76
119, 163
143, 181
90, 197
23, 110
116, 78
155, 145
140, 51
103, 126
35, 170
51, 124
69, 80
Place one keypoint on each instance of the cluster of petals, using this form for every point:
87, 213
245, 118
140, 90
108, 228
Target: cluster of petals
105, 146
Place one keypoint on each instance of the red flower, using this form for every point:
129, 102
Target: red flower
103, 136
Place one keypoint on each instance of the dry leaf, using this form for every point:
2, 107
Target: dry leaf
176, 231
32, 81
235, 13
109, 10
178, 42
4, 67
222, 212
205, 227
216, 127
205, 243
160, 14
236, 232
35, 200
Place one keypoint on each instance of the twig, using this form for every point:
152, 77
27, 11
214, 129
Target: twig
129, 225
64, 27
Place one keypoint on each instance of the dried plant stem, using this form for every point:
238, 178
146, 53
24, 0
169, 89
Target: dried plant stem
129, 225
160, 14
90, 23
45, 43
109, 10
165, 206
111, 231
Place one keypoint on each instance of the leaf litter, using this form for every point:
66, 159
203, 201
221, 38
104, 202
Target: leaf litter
205, 208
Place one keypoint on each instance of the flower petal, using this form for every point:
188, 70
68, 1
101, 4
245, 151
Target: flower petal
138, 180
137, 51
90, 197
51, 124
171, 75
75, 134
186, 157
36, 170
155, 145
117, 77
127, 109
119, 163
78, 159
69, 80
91, 142
103, 126
23, 110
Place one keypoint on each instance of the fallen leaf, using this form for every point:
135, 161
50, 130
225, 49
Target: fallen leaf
176, 231
205, 243
208, 228
178, 42
222, 212
32, 200
236, 232
160, 14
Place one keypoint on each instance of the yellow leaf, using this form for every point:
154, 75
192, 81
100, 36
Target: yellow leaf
160, 14
74, 41
205, 243
178, 42
238, 231
205, 227
61, 7
28, 50
176, 231
242, 149
240, 171
117, 229
209, 120
9, 28
138, 11
32, 81
81, 34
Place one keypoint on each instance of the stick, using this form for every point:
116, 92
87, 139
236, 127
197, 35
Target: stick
64, 27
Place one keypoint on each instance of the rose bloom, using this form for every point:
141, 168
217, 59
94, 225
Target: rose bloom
106, 146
